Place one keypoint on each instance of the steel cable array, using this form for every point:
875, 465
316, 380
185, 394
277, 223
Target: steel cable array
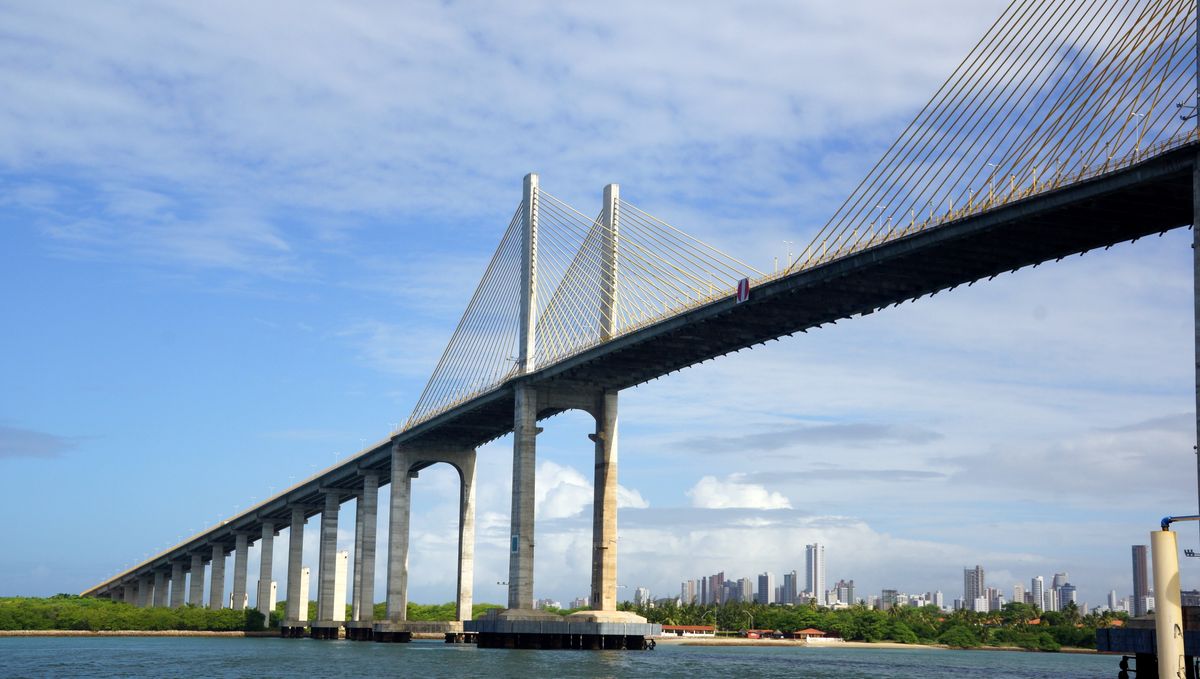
1056, 91
660, 271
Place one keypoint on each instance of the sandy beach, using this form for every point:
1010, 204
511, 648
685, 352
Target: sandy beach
781, 643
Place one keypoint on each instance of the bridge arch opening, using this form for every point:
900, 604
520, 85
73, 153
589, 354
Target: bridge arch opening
433, 536
565, 503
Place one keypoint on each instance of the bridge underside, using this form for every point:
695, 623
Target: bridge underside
1149, 198
1152, 197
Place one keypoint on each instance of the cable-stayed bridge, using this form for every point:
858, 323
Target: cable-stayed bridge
1070, 126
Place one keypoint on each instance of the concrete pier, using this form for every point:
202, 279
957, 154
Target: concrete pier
520, 557
160, 588
328, 620
397, 568
298, 626
405, 462
178, 585
196, 583
241, 552
216, 578
466, 535
604, 507
328, 556
266, 562
145, 591
362, 619
297, 604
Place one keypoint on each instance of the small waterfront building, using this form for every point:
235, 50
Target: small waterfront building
689, 631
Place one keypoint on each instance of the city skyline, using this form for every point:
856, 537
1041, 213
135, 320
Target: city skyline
203, 310
976, 594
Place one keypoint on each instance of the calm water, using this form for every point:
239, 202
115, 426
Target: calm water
209, 657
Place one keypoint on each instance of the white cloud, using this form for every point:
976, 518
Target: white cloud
564, 492
711, 493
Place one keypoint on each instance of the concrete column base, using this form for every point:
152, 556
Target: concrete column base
325, 629
363, 630
525, 628
293, 629
403, 631
623, 617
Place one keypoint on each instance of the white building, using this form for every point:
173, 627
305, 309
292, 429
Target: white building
814, 563
641, 596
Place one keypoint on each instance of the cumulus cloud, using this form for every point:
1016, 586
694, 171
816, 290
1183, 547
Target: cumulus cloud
564, 492
713, 493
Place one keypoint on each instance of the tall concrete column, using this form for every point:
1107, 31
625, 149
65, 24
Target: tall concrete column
266, 562
466, 537
241, 551
1196, 273
609, 244
129, 594
520, 558
604, 505
397, 573
356, 576
295, 563
526, 349
328, 556
216, 582
178, 586
364, 549
145, 591
196, 587
160, 588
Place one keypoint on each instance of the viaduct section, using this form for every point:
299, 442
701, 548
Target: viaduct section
1141, 199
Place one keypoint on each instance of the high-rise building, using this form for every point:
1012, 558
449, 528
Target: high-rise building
939, 600
641, 596
1060, 579
1141, 586
745, 590
1051, 600
995, 599
888, 599
687, 592
1113, 604
715, 586
845, 591
1066, 595
1018, 593
766, 588
814, 562
790, 588
1037, 587
973, 586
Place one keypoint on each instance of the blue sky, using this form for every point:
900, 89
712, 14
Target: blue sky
235, 240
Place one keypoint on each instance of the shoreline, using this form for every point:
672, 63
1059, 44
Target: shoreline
133, 633
666, 641
886, 645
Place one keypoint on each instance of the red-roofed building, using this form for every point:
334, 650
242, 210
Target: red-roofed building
809, 633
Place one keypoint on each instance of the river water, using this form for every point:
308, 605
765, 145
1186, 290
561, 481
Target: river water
269, 657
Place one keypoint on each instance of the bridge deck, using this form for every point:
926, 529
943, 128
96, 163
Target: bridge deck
1151, 197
